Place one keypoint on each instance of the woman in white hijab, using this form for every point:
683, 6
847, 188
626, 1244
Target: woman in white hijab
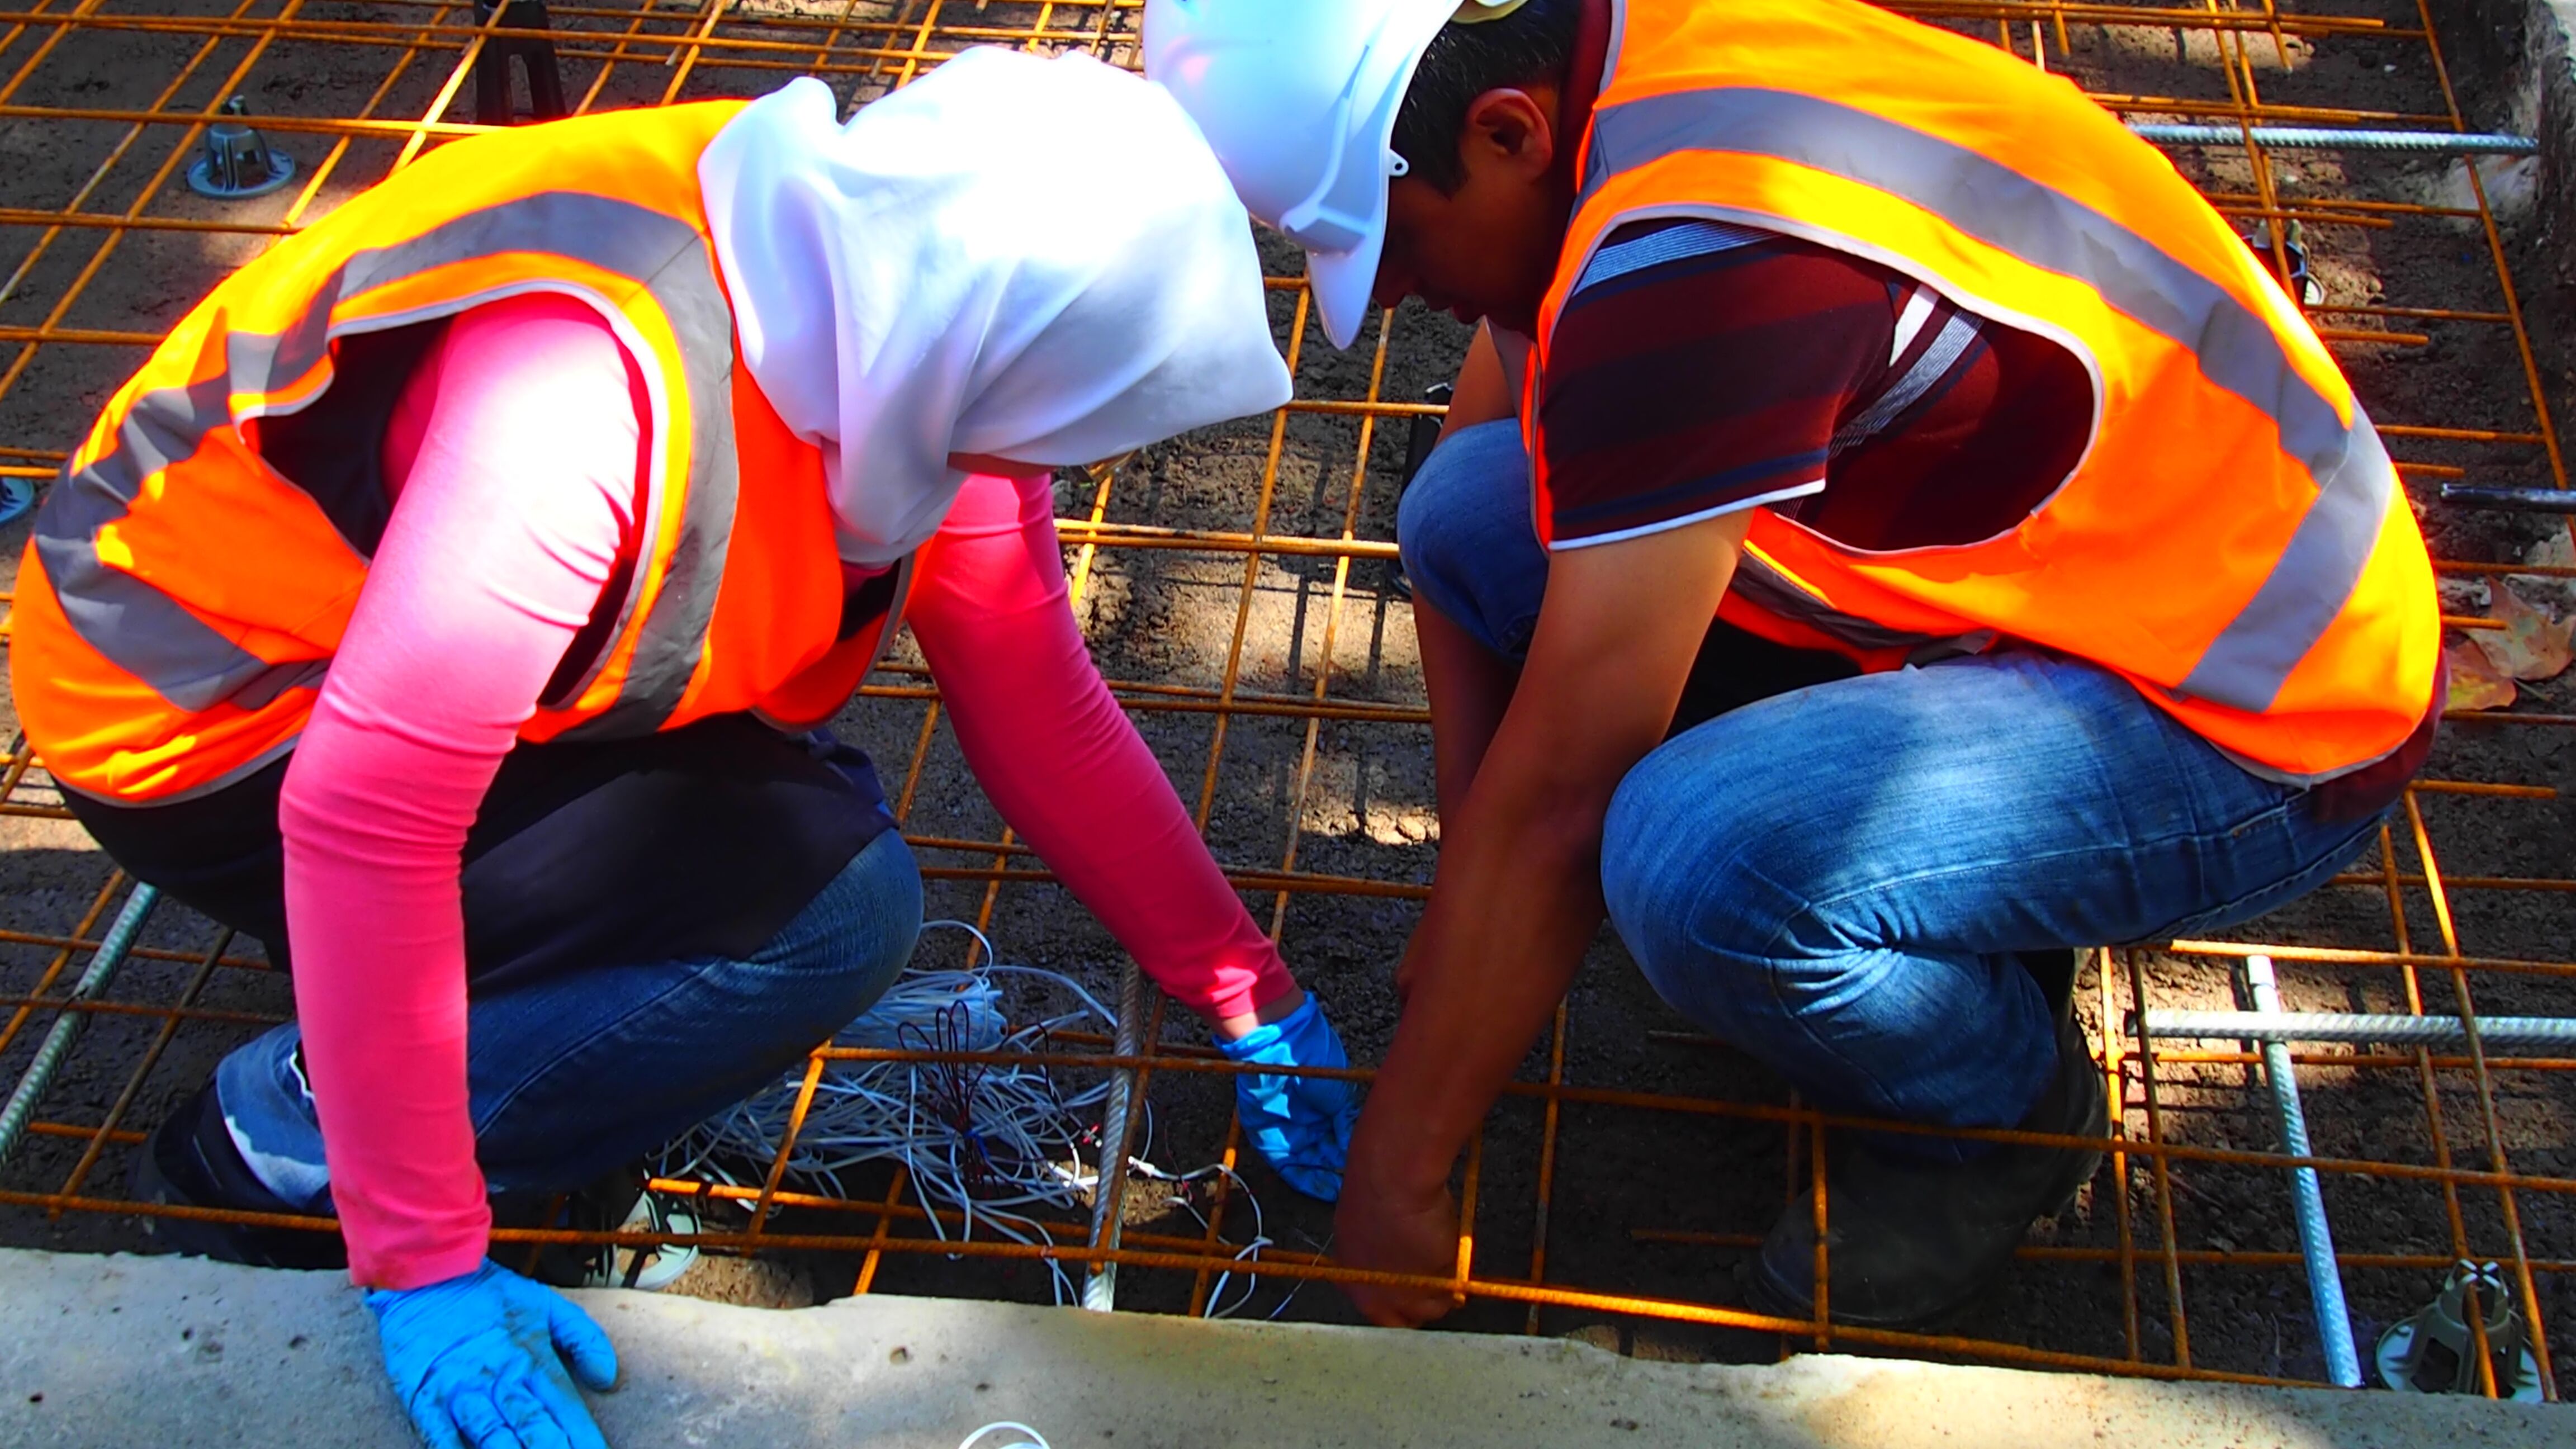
521, 765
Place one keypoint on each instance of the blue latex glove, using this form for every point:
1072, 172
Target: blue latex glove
478, 1362
1302, 1124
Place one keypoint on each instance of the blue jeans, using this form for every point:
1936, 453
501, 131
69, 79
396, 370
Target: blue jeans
1836, 879
576, 1073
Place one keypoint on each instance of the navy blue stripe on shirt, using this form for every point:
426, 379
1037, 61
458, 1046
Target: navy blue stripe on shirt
1710, 377
1700, 367
1694, 256
1633, 249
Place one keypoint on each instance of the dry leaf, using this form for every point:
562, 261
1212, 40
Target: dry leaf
2531, 645
2476, 683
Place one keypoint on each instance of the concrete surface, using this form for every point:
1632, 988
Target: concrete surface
178, 1353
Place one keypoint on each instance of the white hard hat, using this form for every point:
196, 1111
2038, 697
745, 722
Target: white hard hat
1298, 98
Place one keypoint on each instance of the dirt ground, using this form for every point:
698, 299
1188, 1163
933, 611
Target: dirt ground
1623, 1177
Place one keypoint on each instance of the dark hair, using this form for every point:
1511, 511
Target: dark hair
1533, 43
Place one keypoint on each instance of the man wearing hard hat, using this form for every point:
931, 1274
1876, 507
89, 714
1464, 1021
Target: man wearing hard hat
1890, 532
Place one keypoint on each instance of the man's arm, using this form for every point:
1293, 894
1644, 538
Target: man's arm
1469, 686
1518, 894
1483, 392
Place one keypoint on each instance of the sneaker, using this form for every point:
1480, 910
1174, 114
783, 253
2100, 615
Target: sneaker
190, 1161
1908, 1241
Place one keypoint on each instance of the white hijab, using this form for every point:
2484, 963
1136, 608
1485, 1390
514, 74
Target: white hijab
1027, 258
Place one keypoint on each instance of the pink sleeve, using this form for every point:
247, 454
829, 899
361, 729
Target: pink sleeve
517, 444
1061, 760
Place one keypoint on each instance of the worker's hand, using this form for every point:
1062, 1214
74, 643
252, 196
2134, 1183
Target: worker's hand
479, 1362
1397, 1231
1302, 1124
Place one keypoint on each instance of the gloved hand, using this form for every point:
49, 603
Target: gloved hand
478, 1362
1302, 1124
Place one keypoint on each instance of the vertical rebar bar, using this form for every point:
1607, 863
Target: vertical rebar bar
2307, 1195
1117, 1127
57, 1045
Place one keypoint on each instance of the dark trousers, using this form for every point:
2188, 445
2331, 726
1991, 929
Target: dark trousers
654, 929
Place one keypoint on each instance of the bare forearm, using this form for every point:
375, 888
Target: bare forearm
1518, 895
1486, 969
1483, 391
1519, 891
1470, 687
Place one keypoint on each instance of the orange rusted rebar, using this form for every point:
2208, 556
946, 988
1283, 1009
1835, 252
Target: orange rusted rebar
108, 1125
620, 54
2115, 1088
2158, 1149
1546, 1161
2430, 1087
1298, 793
885, 1220
2489, 1126
80, 940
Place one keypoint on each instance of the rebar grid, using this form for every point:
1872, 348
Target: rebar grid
1240, 589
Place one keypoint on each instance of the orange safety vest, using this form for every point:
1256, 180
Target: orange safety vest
2234, 542
181, 598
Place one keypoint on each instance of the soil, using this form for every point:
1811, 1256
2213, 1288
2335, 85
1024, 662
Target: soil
1168, 617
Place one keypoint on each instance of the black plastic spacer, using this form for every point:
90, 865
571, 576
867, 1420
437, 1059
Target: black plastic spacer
493, 103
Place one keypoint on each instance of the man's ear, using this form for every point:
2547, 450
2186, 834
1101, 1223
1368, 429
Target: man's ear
1513, 128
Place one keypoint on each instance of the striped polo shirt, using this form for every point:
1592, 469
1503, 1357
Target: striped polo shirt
1701, 368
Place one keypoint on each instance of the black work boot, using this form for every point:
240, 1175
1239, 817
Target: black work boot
190, 1161
1909, 1241
2053, 971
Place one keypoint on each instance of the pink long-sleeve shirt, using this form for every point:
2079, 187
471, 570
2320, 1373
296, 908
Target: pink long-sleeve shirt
516, 453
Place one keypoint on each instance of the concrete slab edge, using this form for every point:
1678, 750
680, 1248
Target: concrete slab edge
99, 1351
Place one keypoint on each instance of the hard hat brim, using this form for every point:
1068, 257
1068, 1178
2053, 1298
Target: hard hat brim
1344, 284
1344, 281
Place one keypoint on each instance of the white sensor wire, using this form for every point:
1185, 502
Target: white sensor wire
984, 1144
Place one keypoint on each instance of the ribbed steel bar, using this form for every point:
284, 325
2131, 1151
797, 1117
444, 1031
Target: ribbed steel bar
2308, 1204
2329, 138
2063, 1253
2387, 1029
2511, 500
1117, 1136
56, 1048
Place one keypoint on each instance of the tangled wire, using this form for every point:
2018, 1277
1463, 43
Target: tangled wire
983, 1143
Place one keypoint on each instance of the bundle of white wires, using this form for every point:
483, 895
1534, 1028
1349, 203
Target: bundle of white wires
985, 1144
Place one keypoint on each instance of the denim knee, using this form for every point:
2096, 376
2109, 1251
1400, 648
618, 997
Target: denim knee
858, 931
1657, 873
1465, 532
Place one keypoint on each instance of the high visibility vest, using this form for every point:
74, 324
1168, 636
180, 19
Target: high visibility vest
2234, 541
181, 597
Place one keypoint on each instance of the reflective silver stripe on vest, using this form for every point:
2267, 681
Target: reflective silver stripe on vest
2310, 582
137, 627
1761, 584
151, 636
2246, 665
